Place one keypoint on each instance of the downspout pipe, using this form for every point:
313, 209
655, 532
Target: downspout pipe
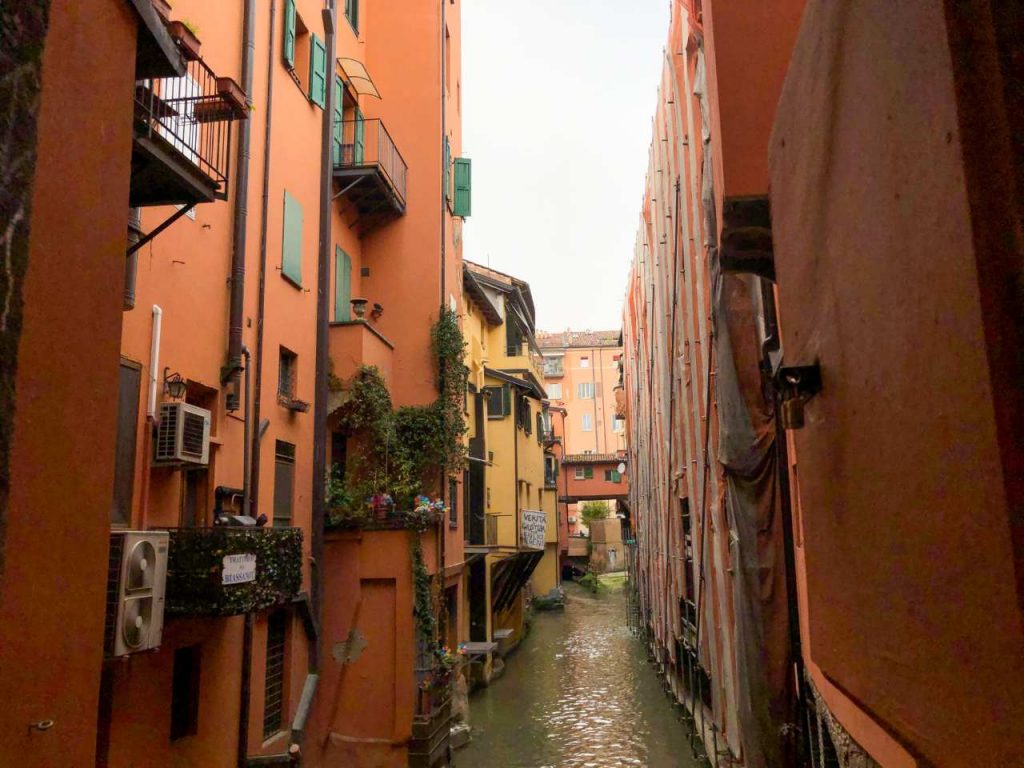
322, 327
254, 490
231, 371
247, 431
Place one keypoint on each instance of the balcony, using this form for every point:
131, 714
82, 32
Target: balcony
554, 367
182, 139
370, 171
353, 343
227, 571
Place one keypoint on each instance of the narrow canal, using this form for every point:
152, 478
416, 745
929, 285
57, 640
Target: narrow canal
578, 693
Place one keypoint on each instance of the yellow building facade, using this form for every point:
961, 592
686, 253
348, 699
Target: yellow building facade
510, 514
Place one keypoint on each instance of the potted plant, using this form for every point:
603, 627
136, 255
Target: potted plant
184, 35
233, 95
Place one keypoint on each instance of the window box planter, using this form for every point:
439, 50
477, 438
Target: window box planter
208, 573
233, 96
185, 38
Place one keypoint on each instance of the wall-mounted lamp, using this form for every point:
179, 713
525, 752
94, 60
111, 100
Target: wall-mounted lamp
175, 387
377, 311
796, 385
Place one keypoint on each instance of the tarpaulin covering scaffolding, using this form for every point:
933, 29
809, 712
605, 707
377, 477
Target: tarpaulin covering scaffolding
708, 570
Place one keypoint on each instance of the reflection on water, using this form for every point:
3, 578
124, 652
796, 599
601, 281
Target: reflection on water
577, 693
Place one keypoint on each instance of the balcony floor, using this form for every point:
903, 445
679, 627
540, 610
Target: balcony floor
371, 193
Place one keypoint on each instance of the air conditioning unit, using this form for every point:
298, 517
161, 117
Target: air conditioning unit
136, 581
572, 518
183, 435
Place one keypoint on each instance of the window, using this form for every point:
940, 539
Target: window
498, 401
291, 242
273, 681
284, 483
185, 692
588, 423
584, 362
525, 421
463, 187
318, 72
453, 503
540, 427
612, 476
585, 390
342, 285
127, 430
352, 14
584, 473
287, 375
618, 424
554, 390
297, 47
547, 421
550, 470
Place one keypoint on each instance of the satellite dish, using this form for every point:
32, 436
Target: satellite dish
622, 468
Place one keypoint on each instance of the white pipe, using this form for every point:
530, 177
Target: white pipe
154, 361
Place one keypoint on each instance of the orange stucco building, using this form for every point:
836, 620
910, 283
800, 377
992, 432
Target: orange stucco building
827, 555
287, 219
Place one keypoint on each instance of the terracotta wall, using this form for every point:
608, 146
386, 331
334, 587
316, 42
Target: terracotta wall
912, 623
62, 453
602, 371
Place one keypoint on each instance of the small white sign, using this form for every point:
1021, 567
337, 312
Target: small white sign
532, 525
238, 569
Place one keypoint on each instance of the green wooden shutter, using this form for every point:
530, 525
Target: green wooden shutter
317, 71
342, 285
352, 14
463, 186
291, 243
289, 33
339, 105
447, 170
359, 139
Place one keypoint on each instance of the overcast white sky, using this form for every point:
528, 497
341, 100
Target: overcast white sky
556, 105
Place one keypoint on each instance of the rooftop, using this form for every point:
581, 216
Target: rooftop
571, 338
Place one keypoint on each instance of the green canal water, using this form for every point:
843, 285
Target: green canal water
577, 693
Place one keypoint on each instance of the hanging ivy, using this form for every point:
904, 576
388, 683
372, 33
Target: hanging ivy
423, 591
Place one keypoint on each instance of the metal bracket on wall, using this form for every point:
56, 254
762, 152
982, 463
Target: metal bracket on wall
796, 385
164, 225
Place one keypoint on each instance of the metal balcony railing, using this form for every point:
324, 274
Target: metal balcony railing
366, 144
193, 114
553, 366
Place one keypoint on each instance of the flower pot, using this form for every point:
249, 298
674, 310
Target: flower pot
233, 95
186, 40
359, 307
163, 9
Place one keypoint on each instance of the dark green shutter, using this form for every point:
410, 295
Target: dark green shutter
359, 139
289, 33
352, 14
291, 244
342, 285
463, 184
317, 71
339, 105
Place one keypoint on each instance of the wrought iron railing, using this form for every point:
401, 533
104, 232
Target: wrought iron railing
193, 114
366, 143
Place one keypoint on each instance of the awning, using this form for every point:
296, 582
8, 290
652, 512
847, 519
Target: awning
510, 575
531, 386
357, 76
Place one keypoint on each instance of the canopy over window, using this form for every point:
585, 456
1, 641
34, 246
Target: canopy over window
357, 76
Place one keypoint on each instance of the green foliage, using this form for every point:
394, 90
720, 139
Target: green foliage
594, 510
407, 451
423, 590
195, 561
591, 582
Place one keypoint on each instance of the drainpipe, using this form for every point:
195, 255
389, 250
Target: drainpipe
254, 490
247, 432
132, 261
230, 372
322, 328
244, 703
